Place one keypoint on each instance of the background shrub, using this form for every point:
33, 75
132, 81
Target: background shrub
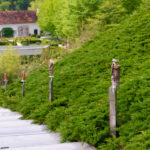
7, 32
10, 62
28, 40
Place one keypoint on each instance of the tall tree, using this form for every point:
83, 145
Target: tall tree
14, 4
35, 4
23, 4
4, 5
66, 17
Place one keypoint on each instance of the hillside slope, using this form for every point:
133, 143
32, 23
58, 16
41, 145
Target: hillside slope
80, 107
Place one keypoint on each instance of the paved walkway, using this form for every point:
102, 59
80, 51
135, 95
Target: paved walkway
25, 50
16, 134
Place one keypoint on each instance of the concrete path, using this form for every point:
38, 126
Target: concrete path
25, 50
16, 134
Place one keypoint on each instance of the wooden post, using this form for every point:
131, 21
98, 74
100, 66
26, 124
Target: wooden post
23, 88
115, 76
51, 70
49, 52
23, 83
5, 80
51, 89
112, 111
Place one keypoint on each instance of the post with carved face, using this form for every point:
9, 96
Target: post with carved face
51, 71
115, 77
23, 83
5, 80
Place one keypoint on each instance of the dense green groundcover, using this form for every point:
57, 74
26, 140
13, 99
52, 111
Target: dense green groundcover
79, 110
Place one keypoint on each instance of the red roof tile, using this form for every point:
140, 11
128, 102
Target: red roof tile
18, 17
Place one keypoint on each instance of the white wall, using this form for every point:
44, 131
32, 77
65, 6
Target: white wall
32, 27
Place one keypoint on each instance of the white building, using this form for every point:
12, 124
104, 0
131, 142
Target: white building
23, 23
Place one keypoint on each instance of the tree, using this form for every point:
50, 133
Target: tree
65, 18
14, 4
35, 4
4, 6
48, 15
23, 4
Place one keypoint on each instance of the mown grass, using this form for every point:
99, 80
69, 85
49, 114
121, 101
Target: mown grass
80, 110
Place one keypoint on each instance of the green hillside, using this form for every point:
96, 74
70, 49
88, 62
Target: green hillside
80, 107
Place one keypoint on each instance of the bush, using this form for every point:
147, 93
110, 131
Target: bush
35, 35
28, 40
50, 42
7, 32
54, 52
5, 41
10, 62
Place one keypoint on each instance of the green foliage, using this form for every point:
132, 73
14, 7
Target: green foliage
10, 62
35, 35
131, 5
28, 40
23, 4
78, 21
110, 13
6, 5
65, 18
5, 41
47, 16
80, 109
35, 4
7, 32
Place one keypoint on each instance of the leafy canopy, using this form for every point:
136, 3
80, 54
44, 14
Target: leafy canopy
66, 17
14, 4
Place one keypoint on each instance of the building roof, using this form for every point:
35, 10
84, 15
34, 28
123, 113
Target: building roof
18, 17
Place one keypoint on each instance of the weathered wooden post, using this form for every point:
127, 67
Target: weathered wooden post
23, 83
5, 80
51, 71
115, 77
